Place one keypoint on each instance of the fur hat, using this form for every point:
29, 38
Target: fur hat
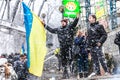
3, 61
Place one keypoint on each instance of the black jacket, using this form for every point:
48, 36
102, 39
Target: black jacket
96, 33
65, 35
117, 39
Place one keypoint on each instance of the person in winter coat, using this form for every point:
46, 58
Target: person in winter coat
96, 36
65, 38
6, 70
20, 67
117, 40
80, 41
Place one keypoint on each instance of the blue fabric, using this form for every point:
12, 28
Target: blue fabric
78, 40
82, 60
23, 48
28, 19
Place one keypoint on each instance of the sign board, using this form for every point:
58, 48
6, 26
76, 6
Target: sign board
72, 7
99, 8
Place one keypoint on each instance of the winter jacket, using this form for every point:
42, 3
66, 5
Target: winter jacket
65, 34
96, 33
81, 42
21, 69
117, 39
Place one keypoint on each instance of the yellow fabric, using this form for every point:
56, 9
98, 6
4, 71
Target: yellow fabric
57, 50
21, 52
37, 47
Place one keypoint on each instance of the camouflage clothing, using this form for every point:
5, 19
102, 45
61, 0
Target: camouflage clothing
65, 37
117, 40
97, 34
21, 69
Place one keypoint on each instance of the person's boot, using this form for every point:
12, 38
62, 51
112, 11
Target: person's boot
92, 74
81, 75
65, 73
107, 74
86, 74
78, 76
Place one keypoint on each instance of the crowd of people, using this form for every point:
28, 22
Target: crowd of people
83, 51
13, 67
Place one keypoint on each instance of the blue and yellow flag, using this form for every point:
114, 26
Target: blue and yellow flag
36, 41
22, 49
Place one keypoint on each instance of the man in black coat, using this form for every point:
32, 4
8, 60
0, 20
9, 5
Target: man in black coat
117, 40
20, 67
65, 38
96, 37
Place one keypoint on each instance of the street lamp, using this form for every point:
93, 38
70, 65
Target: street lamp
40, 9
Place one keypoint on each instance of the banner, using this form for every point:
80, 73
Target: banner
36, 41
99, 8
72, 7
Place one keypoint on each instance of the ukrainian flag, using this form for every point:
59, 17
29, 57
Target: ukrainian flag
36, 41
22, 49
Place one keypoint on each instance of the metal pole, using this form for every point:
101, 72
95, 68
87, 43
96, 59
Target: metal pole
15, 9
113, 15
29, 3
41, 7
4, 10
88, 10
8, 14
49, 16
33, 5
1, 5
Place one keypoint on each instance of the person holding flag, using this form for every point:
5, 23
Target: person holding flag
22, 51
65, 37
